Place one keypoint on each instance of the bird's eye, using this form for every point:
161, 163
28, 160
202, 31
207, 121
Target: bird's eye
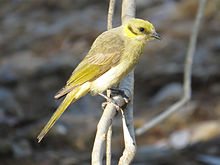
141, 29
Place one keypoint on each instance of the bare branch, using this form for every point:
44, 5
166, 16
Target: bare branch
187, 76
108, 145
128, 12
130, 147
109, 133
110, 13
128, 128
109, 136
102, 129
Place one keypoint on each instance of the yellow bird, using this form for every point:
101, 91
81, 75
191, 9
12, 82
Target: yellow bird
112, 56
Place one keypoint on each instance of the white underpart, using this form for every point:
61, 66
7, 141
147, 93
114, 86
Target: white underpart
108, 79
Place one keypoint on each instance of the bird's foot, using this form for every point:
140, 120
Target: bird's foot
109, 100
114, 92
117, 91
104, 104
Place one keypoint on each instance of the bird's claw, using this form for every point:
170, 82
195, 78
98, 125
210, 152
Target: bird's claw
104, 104
109, 100
116, 91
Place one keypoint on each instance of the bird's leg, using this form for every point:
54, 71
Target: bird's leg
113, 92
117, 91
109, 100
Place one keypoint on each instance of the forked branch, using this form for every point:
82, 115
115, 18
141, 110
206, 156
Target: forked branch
128, 11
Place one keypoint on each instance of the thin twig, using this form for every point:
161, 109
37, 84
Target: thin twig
111, 9
128, 126
187, 76
108, 145
109, 133
127, 156
101, 134
109, 139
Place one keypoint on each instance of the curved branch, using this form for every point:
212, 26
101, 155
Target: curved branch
187, 76
128, 126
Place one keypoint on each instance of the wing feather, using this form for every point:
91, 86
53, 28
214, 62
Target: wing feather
104, 54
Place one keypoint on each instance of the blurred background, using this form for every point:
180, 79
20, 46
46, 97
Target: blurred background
42, 41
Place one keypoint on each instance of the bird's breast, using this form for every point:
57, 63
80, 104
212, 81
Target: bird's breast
110, 78
114, 75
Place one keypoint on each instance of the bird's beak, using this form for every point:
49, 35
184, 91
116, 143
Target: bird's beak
155, 35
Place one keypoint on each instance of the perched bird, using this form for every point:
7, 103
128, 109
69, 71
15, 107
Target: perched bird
112, 56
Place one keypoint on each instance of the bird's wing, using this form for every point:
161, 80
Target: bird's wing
105, 53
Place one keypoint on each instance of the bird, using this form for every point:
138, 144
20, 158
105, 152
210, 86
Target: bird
113, 54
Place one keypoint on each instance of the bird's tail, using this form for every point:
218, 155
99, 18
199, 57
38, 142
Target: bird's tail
71, 97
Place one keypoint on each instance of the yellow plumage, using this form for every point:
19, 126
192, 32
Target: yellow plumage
112, 56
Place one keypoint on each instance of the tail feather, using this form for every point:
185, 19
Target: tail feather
71, 97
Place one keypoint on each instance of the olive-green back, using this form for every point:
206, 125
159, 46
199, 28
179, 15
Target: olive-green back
105, 53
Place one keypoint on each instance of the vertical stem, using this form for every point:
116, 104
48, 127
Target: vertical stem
109, 133
128, 12
108, 145
109, 139
101, 134
128, 126
111, 10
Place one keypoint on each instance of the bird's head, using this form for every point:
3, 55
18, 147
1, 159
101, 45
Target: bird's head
141, 30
